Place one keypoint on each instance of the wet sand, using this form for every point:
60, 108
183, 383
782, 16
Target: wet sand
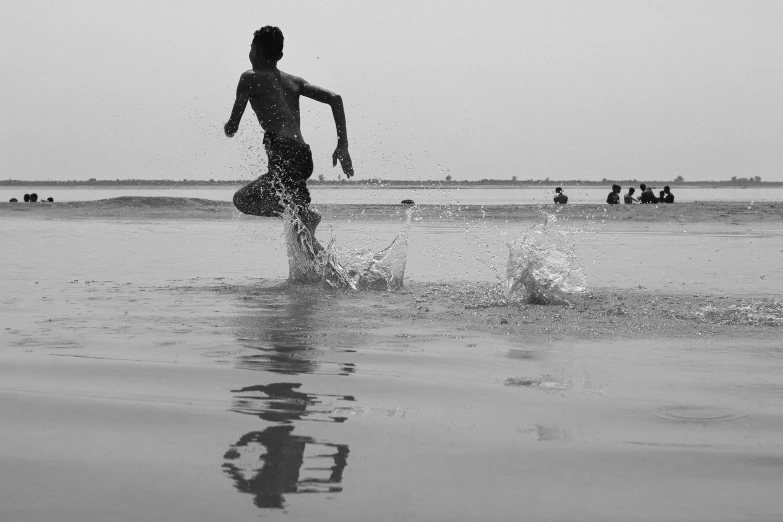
158, 366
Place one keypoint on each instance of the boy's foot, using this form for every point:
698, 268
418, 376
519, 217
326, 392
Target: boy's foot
311, 218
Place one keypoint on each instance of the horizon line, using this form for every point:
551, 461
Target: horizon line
381, 182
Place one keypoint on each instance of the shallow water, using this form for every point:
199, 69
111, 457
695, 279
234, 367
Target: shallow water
673, 258
164, 370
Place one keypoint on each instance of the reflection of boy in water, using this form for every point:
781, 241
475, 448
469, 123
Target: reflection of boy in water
274, 96
270, 473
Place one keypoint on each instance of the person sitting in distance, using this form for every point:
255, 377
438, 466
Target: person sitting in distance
560, 197
668, 196
628, 198
33, 197
614, 196
647, 195
27, 198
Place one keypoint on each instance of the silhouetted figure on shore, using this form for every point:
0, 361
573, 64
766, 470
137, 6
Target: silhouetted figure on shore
27, 198
560, 197
668, 196
628, 198
614, 196
33, 197
13, 200
647, 195
407, 202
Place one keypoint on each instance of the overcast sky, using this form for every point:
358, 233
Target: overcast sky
559, 90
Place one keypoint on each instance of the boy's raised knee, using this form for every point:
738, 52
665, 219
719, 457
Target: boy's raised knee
247, 203
241, 202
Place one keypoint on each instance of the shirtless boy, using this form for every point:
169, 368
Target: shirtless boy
274, 96
614, 196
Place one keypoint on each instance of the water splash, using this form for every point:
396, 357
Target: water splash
303, 250
310, 262
542, 266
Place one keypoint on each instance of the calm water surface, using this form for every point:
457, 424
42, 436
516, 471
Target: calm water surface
162, 370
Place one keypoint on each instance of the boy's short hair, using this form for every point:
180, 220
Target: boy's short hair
642, 186
270, 40
558, 190
666, 189
616, 188
631, 190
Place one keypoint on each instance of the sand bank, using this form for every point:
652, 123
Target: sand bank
193, 208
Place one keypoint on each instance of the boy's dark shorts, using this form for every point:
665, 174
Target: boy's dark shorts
284, 185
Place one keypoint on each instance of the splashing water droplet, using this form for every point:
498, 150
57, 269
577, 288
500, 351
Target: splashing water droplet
542, 266
310, 262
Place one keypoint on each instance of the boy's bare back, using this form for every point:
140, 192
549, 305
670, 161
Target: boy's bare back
274, 96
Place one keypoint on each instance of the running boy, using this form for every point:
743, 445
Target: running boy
274, 96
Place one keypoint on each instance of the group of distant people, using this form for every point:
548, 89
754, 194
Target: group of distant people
32, 198
647, 196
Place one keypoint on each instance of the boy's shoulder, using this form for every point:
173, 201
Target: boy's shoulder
253, 73
292, 77
270, 73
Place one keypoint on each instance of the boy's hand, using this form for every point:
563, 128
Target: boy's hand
230, 128
341, 153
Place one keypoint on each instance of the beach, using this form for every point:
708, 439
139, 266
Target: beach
156, 364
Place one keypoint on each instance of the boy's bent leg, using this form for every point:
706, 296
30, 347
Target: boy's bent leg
298, 197
258, 198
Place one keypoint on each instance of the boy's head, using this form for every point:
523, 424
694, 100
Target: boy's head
558, 190
616, 188
631, 190
643, 187
268, 43
666, 189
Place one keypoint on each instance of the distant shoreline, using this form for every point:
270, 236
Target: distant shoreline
389, 184
161, 207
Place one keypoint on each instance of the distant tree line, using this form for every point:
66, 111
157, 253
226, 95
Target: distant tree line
449, 181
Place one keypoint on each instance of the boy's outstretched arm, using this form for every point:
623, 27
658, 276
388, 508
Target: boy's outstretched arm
338, 112
243, 95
